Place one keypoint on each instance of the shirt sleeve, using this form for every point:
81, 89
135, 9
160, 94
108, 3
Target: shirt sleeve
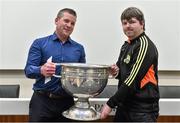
83, 55
32, 68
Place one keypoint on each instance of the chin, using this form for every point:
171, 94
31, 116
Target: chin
129, 34
66, 34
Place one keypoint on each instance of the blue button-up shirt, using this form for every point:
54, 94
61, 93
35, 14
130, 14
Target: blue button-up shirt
44, 48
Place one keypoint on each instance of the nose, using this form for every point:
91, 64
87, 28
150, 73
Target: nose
68, 24
128, 24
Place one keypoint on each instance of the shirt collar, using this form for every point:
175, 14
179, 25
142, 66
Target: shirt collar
55, 38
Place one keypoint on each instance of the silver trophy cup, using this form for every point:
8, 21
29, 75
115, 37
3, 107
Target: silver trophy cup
83, 81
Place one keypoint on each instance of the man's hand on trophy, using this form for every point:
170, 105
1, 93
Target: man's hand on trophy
106, 110
48, 69
114, 70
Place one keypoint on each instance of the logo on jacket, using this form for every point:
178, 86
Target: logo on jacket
127, 59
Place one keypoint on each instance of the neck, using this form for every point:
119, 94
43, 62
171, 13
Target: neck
62, 37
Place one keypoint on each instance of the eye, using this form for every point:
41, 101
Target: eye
66, 20
124, 23
72, 23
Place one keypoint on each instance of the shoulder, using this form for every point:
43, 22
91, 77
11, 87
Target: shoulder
75, 43
147, 41
147, 45
43, 40
143, 41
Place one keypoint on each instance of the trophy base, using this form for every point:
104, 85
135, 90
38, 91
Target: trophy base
82, 114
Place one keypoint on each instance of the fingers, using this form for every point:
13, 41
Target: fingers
114, 69
103, 116
48, 69
105, 111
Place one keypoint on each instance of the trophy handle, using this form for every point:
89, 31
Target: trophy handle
57, 76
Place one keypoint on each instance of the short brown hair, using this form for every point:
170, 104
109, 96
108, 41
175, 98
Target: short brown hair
70, 11
130, 12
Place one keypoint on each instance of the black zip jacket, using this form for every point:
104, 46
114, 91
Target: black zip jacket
138, 76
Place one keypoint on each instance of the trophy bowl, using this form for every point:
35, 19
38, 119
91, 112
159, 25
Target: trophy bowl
83, 81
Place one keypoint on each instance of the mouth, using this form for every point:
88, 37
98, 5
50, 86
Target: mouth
129, 32
67, 30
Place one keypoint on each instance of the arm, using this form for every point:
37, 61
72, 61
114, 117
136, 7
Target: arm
32, 68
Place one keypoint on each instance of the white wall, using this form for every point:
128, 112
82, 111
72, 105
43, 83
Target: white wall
98, 28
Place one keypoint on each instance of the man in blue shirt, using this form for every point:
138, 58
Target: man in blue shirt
49, 99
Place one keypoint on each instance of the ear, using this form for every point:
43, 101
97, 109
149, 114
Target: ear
142, 23
56, 20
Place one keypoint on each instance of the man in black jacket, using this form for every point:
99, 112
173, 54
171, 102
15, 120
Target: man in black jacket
137, 97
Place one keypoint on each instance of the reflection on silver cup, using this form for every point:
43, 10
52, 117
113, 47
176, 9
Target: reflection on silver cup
83, 81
